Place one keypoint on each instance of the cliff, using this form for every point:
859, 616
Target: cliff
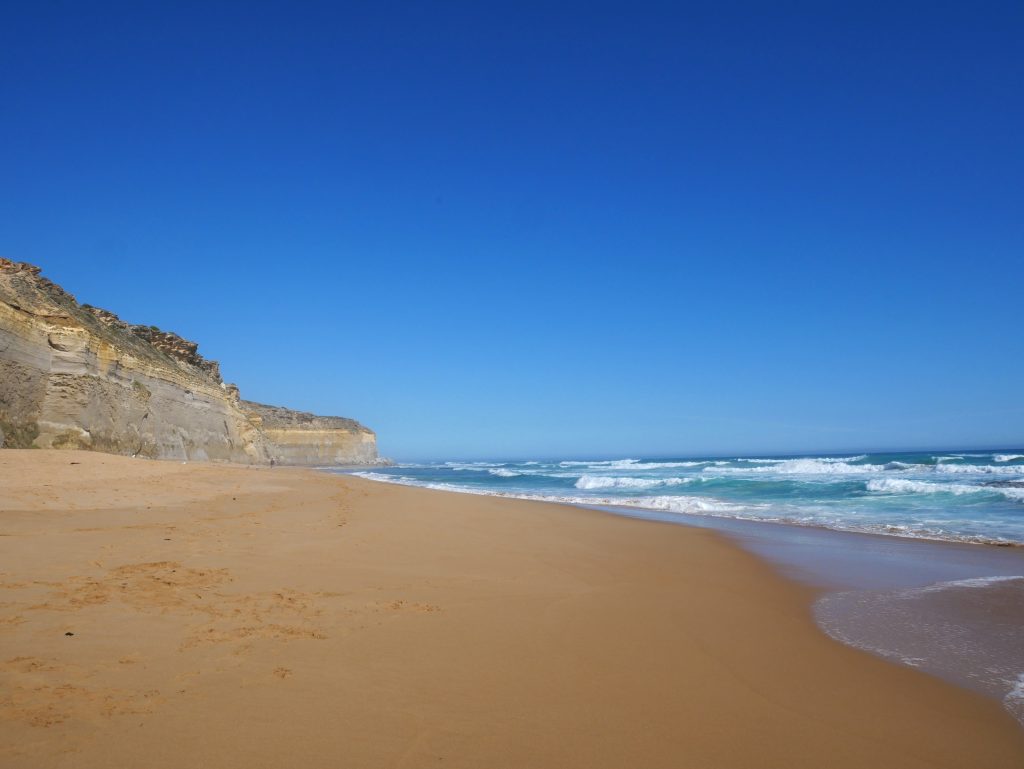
75, 376
300, 438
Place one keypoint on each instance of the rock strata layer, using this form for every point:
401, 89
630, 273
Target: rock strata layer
75, 376
300, 438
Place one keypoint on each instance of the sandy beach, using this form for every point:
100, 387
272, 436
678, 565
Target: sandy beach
166, 614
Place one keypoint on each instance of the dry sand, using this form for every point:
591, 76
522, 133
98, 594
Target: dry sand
232, 617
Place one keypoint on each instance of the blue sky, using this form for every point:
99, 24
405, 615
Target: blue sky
516, 230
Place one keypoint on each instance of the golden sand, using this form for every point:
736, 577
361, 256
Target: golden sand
157, 614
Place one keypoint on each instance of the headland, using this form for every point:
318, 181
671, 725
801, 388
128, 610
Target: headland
73, 376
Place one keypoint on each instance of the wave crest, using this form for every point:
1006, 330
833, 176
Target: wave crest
824, 466
620, 482
980, 469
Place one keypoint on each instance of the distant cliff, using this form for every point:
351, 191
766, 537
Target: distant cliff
299, 438
75, 376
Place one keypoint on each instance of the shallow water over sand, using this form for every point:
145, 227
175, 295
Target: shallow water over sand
953, 610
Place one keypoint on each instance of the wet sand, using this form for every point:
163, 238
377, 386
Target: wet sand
953, 609
160, 614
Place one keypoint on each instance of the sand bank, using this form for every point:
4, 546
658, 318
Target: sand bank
158, 614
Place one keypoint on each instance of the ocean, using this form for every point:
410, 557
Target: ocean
930, 594
964, 496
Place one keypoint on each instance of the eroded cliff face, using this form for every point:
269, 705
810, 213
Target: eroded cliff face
300, 438
75, 376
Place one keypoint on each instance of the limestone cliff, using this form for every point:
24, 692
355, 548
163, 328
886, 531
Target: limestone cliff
75, 376
300, 438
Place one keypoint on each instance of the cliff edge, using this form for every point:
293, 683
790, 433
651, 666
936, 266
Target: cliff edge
76, 376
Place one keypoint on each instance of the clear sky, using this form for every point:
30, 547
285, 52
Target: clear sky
547, 229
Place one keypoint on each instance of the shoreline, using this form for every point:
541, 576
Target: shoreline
952, 609
768, 539
849, 569
651, 513
701, 520
286, 617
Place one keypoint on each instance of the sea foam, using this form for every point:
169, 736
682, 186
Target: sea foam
630, 464
822, 466
973, 582
625, 482
1014, 699
980, 469
903, 486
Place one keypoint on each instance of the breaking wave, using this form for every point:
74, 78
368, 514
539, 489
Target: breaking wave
631, 464
620, 482
825, 466
980, 469
904, 486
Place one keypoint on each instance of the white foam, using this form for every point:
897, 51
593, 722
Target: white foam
483, 467
823, 466
1014, 699
833, 466
692, 504
981, 581
654, 465
1007, 457
371, 476
706, 505
973, 582
620, 482
826, 460
822, 609
480, 467
503, 472
980, 469
631, 464
903, 486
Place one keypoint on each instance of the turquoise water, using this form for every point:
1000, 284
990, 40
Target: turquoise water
967, 496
